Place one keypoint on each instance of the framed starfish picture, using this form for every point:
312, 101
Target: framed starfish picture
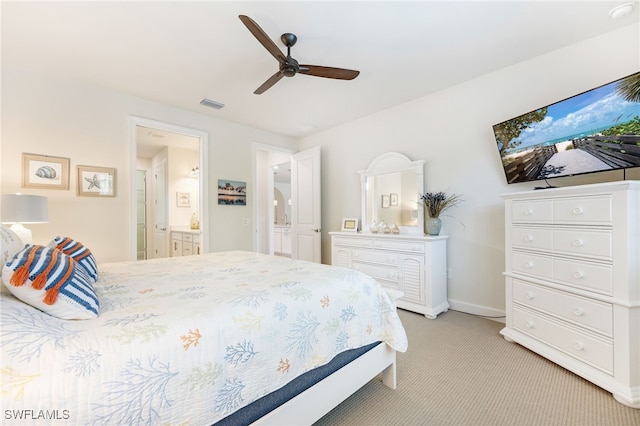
96, 181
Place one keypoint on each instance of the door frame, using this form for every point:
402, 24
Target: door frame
203, 137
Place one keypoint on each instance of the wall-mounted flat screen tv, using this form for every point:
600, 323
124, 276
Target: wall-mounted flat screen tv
594, 131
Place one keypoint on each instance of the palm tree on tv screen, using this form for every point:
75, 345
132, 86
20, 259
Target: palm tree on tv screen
629, 88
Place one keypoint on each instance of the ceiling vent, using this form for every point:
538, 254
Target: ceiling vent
211, 104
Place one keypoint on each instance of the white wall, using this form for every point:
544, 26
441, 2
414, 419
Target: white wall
42, 114
452, 131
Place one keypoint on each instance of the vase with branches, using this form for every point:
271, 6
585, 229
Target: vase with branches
434, 203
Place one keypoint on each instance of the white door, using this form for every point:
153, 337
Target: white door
305, 209
160, 240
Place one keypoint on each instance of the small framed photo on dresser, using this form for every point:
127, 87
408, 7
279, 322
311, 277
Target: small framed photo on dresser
350, 224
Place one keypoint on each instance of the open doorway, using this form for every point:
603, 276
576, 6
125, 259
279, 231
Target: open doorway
266, 210
168, 162
282, 209
305, 218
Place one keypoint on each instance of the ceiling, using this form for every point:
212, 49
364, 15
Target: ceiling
177, 53
150, 142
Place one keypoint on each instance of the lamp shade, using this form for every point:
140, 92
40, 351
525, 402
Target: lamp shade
22, 208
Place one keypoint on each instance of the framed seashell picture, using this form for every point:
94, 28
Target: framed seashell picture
45, 171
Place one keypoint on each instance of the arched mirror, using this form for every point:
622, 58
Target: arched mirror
391, 188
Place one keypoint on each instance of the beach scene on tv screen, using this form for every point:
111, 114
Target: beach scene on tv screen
595, 131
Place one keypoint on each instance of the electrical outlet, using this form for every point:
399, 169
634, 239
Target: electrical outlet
245, 221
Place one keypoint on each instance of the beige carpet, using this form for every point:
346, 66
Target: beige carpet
460, 371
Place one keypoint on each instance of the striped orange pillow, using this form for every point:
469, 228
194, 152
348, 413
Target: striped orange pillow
51, 281
79, 252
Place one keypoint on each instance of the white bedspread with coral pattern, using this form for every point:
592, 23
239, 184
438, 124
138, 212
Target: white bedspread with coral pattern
186, 340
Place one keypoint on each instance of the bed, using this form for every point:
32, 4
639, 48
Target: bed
230, 338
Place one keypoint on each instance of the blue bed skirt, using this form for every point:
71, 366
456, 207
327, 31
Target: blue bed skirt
252, 412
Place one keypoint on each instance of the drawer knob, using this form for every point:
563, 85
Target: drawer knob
578, 312
528, 265
578, 346
577, 243
577, 275
528, 295
528, 238
577, 211
529, 324
527, 212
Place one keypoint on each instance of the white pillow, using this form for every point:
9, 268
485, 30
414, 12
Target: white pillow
10, 245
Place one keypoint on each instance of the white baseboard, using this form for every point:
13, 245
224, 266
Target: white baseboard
483, 311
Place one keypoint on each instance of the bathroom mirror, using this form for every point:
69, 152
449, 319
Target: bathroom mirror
391, 188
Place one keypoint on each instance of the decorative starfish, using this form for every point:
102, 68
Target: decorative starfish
93, 182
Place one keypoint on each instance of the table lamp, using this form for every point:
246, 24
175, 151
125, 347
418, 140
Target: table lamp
18, 209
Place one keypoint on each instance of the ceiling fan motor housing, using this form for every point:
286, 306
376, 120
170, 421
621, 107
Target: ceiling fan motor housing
290, 67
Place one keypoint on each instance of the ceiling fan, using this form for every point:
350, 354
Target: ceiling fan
289, 66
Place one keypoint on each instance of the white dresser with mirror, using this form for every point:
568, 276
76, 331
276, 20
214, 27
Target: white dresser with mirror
408, 261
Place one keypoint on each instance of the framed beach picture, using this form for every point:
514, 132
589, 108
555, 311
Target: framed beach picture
394, 199
44, 171
232, 192
96, 181
386, 202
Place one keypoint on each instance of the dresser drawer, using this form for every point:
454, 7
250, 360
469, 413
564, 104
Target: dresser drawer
588, 276
532, 238
377, 271
531, 264
581, 345
408, 246
353, 242
581, 210
382, 257
581, 311
532, 211
583, 242
187, 237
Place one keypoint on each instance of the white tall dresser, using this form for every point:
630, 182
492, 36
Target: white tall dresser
573, 281
413, 264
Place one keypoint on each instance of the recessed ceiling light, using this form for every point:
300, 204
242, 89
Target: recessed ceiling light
621, 10
211, 104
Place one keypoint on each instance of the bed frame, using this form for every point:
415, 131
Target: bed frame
310, 405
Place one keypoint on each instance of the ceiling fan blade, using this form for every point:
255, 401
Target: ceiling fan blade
270, 82
328, 72
262, 37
